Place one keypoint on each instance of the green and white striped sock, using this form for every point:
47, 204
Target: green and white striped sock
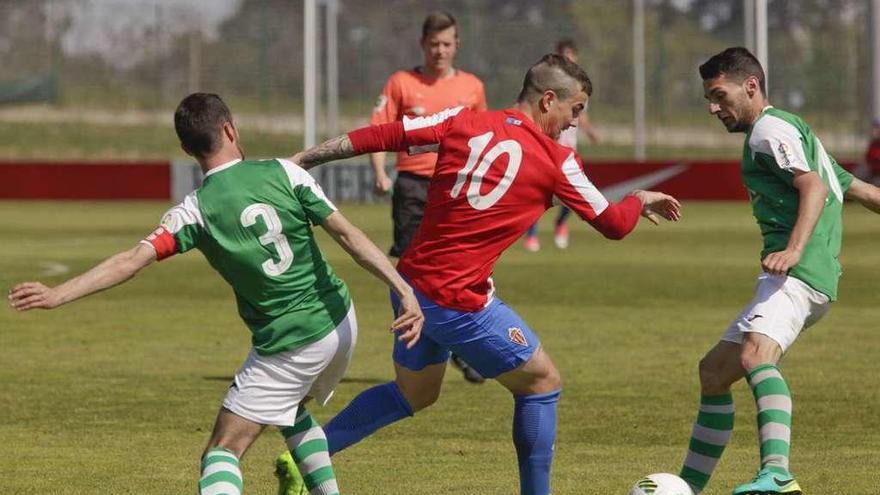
221, 473
774, 416
709, 437
308, 446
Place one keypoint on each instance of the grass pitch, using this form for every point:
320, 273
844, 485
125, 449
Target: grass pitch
117, 393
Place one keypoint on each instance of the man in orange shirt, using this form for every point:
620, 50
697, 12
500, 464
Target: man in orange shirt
424, 90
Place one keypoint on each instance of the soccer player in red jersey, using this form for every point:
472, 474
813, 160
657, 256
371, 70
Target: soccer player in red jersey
496, 173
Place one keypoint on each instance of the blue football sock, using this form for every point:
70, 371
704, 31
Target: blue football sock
533, 230
534, 435
372, 409
563, 215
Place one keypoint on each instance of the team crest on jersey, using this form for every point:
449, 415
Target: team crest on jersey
786, 153
517, 337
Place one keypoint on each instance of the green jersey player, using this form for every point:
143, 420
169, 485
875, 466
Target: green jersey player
253, 220
796, 190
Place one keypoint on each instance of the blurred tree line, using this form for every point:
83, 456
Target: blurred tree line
151, 52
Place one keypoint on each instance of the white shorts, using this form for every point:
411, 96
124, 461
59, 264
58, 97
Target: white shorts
782, 308
269, 389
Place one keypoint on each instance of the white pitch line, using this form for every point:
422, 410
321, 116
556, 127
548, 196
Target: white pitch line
52, 268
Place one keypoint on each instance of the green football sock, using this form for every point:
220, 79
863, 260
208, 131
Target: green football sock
774, 416
709, 437
308, 446
221, 473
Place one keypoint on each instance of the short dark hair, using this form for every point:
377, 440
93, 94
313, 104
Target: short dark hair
199, 120
566, 44
552, 72
737, 63
438, 20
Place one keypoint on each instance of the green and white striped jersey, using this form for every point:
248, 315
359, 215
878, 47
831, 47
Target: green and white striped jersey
778, 144
253, 222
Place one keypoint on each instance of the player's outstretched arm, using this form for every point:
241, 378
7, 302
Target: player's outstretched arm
375, 138
408, 324
333, 149
110, 272
866, 194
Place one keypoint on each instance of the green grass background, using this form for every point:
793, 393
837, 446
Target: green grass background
117, 393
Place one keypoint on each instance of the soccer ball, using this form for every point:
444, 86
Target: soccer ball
661, 484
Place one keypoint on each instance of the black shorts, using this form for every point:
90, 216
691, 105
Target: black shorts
408, 200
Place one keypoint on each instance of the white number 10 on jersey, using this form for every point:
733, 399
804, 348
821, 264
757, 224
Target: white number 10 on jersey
274, 236
478, 145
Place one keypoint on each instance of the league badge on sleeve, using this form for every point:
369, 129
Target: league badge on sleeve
786, 153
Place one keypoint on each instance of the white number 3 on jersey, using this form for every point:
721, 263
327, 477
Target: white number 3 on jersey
274, 236
478, 145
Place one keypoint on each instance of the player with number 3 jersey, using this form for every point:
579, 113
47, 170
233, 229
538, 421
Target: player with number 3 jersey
496, 173
252, 219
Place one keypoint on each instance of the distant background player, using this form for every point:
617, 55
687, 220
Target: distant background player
569, 137
424, 90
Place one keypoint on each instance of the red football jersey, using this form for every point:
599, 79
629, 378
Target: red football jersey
496, 174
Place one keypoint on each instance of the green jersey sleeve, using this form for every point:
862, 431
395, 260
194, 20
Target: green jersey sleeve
843, 177
308, 192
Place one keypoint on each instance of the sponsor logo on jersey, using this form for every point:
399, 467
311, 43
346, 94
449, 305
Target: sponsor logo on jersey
513, 121
517, 337
753, 318
786, 153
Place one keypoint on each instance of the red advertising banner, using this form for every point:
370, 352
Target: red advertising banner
686, 180
85, 180
706, 180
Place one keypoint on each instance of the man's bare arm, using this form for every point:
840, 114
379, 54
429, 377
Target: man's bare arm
811, 195
112, 271
333, 149
408, 323
866, 194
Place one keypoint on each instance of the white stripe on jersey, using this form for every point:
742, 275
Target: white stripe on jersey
299, 177
777, 138
826, 169
185, 213
582, 184
410, 124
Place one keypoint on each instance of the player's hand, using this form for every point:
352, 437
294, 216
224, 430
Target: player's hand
656, 204
408, 324
780, 262
32, 295
382, 184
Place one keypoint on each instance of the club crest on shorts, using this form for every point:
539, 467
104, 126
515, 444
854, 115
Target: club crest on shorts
517, 336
